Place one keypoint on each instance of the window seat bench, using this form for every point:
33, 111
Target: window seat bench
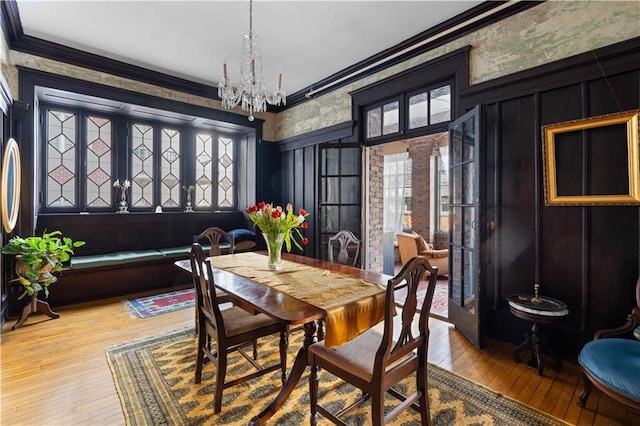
131, 253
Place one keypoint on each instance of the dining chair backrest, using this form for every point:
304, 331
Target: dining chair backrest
409, 277
216, 236
346, 241
208, 309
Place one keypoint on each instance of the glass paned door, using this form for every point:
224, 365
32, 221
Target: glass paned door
340, 193
464, 277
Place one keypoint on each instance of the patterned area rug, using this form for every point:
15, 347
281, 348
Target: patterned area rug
440, 302
150, 306
154, 379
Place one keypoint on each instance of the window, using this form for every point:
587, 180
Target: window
421, 111
222, 194
383, 120
397, 192
430, 107
83, 158
442, 182
142, 168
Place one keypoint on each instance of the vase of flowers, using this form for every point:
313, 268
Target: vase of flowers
274, 247
278, 227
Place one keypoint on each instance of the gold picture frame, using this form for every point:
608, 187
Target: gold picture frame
592, 161
10, 184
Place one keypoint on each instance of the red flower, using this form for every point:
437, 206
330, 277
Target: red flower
304, 225
261, 205
302, 212
252, 209
276, 213
305, 241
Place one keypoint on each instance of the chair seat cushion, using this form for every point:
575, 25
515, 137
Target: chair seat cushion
238, 321
614, 362
356, 356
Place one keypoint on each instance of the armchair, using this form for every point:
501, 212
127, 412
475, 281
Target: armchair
612, 364
410, 245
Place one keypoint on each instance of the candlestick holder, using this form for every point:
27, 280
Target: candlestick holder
123, 209
188, 189
536, 293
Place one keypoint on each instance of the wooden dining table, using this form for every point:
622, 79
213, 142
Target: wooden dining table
276, 303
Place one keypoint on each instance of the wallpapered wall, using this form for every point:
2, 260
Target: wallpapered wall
547, 32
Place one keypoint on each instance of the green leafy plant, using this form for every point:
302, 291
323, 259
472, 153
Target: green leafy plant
37, 257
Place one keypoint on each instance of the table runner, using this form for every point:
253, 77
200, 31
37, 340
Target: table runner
353, 305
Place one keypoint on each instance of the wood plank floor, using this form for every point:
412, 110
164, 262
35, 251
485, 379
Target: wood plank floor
55, 372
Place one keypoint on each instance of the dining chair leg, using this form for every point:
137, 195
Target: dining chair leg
220, 375
423, 400
313, 393
255, 349
200, 357
377, 407
284, 346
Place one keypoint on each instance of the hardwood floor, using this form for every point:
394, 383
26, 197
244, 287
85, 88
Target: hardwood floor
55, 372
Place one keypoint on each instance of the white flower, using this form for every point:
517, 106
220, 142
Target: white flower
116, 183
300, 219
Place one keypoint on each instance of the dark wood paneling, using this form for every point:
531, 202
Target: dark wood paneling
108, 233
584, 256
516, 226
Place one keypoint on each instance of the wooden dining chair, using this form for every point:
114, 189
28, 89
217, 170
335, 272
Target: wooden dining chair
216, 236
375, 362
346, 241
228, 330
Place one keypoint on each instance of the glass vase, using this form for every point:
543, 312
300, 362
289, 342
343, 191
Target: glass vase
274, 246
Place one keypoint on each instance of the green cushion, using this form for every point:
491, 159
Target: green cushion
109, 259
173, 252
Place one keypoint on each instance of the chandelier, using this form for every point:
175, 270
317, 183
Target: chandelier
251, 91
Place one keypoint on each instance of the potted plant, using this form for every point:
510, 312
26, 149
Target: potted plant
37, 257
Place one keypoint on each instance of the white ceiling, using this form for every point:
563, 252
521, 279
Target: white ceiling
307, 40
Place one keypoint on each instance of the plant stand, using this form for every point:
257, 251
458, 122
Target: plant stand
34, 306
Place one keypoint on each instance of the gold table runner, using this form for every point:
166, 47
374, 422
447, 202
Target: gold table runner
353, 305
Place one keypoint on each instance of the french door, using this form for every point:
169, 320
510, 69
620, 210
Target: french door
339, 205
465, 291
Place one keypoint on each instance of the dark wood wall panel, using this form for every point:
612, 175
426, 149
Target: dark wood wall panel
614, 94
612, 265
517, 221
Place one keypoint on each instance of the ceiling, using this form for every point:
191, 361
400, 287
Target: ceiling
307, 40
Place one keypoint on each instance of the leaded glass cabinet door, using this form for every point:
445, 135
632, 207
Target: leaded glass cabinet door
339, 204
464, 244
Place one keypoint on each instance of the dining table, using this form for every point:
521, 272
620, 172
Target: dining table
307, 291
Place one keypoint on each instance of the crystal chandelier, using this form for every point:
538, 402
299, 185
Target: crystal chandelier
251, 91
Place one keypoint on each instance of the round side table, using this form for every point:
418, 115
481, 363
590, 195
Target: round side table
540, 310
34, 305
